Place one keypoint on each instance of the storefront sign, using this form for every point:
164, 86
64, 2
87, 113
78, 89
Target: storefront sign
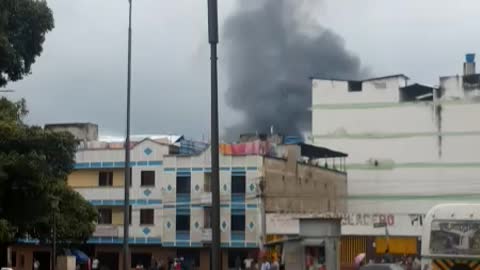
397, 224
354, 224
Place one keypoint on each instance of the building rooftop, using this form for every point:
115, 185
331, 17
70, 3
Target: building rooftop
399, 75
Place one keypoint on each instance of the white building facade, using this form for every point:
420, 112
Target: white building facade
408, 149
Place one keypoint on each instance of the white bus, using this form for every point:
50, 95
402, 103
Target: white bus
451, 237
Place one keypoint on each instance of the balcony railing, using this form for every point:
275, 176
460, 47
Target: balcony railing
183, 236
101, 193
107, 231
238, 235
183, 198
238, 197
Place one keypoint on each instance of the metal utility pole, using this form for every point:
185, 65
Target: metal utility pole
213, 40
126, 185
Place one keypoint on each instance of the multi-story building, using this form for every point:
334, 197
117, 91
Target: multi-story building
170, 195
410, 147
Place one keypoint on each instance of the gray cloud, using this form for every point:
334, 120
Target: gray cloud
272, 49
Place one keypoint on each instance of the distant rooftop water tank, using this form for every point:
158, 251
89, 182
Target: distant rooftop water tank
470, 58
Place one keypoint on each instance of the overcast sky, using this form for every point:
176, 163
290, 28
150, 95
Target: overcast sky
81, 75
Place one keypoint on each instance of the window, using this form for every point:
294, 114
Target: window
105, 216
238, 184
207, 218
207, 186
354, 86
183, 184
148, 178
105, 179
141, 259
147, 217
238, 223
183, 223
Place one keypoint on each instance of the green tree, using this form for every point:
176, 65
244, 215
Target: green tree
34, 165
23, 25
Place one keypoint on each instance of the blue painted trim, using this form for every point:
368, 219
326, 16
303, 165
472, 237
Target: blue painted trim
237, 244
207, 170
107, 164
251, 206
197, 206
196, 244
154, 240
154, 201
197, 169
224, 245
169, 170
183, 174
183, 212
238, 198
251, 245
225, 169
184, 169
120, 202
184, 198
155, 163
224, 205
82, 165
96, 165
238, 206
239, 173
182, 244
119, 164
116, 164
238, 237
141, 202
238, 169
168, 244
252, 168
238, 212
119, 240
182, 236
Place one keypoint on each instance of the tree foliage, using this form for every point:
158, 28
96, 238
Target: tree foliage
34, 165
23, 25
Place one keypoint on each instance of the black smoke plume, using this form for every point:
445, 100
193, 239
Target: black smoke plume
273, 47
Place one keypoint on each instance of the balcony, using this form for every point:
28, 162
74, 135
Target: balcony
107, 231
101, 193
207, 235
206, 198
183, 198
183, 236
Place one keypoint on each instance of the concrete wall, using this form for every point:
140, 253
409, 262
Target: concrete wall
404, 157
302, 188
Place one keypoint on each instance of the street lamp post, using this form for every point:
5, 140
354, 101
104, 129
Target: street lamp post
126, 205
54, 233
215, 215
